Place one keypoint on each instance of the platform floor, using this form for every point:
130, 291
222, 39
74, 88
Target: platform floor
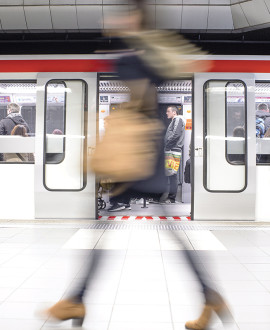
144, 281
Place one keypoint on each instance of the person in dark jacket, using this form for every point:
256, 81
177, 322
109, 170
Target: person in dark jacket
263, 113
13, 118
174, 141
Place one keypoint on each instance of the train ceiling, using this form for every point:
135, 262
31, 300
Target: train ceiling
93, 15
179, 86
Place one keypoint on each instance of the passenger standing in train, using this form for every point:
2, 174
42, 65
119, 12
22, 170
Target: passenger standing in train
263, 114
153, 60
13, 118
174, 141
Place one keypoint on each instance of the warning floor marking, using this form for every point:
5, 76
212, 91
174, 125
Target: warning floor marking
142, 218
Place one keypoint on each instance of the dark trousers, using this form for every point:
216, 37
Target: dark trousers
114, 200
173, 187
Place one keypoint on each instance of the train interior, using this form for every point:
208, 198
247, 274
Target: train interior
61, 155
24, 94
112, 93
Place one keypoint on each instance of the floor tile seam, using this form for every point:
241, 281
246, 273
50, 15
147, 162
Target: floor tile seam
14, 236
166, 281
265, 287
253, 275
43, 324
75, 278
16, 255
267, 253
250, 240
26, 279
119, 282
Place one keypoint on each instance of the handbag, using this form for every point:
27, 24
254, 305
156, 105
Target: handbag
172, 162
128, 150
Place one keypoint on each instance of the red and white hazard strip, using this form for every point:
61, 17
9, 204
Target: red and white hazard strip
142, 218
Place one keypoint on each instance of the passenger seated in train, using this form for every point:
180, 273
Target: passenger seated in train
13, 118
238, 158
19, 157
56, 157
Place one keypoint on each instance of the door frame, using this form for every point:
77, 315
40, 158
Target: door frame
222, 205
65, 204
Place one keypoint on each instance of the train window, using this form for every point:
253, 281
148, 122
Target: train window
55, 122
65, 138
262, 115
17, 107
225, 136
235, 123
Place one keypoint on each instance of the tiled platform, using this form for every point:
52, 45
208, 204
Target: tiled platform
144, 281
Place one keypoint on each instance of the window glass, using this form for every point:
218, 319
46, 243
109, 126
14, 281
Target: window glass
65, 135
235, 123
55, 122
222, 148
17, 121
262, 117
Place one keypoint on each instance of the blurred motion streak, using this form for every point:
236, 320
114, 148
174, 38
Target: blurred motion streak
131, 152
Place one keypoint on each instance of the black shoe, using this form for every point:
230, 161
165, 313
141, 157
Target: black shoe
127, 206
153, 201
116, 207
172, 201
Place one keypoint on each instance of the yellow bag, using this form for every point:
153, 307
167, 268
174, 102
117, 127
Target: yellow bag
172, 162
128, 149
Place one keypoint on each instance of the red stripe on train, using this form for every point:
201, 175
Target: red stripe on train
240, 66
57, 65
80, 65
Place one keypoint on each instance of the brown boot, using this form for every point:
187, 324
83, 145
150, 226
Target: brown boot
203, 321
66, 310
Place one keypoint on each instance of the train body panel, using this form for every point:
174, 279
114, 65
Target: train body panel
57, 185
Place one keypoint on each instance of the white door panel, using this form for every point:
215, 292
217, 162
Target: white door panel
224, 178
262, 171
64, 187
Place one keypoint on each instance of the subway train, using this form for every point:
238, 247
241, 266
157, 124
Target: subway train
71, 95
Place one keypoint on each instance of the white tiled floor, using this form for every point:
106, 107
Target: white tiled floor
143, 282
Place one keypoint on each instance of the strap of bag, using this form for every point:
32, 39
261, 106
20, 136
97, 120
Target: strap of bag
13, 121
21, 157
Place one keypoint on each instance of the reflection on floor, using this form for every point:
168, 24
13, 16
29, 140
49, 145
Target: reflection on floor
144, 282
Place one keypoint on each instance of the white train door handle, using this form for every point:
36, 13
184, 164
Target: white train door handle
199, 152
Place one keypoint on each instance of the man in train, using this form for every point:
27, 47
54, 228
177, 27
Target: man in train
174, 141
263, 113
13, 118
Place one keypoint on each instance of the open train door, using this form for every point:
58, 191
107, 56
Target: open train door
65, 132
224, 167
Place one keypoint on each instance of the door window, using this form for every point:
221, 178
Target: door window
65, 135
225, 164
